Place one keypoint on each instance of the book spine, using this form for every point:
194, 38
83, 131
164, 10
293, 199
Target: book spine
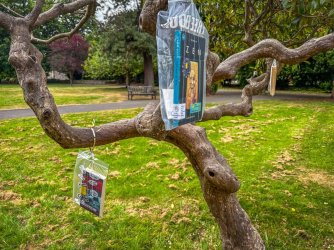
103, 195
177, 72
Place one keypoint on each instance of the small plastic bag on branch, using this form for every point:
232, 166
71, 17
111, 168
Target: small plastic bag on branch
89, 182
182, 43
273, 78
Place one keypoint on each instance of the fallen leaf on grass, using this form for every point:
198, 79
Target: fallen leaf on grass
172, 186
185, 220
175, 177
226, 139
9, 195
55, 159
144, 199
174, 161
114, 174
152, 165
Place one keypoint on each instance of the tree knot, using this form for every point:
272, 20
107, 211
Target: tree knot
150, 124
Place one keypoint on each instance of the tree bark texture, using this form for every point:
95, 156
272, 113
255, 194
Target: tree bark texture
218, 182
148, 70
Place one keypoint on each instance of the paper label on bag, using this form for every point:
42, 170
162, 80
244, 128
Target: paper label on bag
179, 111
168, 99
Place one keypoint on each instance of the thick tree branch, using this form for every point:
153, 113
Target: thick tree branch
271, 48
148, 17
89, 12
33, 15
6, 20
245, 108
61, 9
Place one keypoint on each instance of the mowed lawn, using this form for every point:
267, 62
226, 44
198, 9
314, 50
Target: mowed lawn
283, 156
11, 96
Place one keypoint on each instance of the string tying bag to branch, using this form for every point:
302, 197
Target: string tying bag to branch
182, 42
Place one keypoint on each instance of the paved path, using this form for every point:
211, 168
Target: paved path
222, 96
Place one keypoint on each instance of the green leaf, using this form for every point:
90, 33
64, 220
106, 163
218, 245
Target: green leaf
331, 13
296, 20
314, 4
285, 4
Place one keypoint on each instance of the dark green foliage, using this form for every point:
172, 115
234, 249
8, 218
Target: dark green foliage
245, 73
119, 46
7, 72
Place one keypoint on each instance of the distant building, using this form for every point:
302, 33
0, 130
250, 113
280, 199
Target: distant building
57, 75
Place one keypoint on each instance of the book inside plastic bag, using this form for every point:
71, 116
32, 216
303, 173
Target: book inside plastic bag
89, 182
182, 43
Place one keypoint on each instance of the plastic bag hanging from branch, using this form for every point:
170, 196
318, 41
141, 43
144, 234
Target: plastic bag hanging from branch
273, 78
89, 182
182, 42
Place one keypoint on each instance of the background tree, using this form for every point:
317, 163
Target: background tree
68, 55
129, 50
218, 182
97, 65
20, 8
247, 22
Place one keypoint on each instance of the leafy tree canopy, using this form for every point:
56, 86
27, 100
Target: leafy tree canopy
68, 55
120, 43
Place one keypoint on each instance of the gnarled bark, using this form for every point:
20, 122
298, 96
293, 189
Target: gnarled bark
218, 182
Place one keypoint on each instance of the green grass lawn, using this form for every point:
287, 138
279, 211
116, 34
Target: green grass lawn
283, 156
11, 96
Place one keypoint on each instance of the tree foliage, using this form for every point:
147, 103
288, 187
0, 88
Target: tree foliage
317, 72
63, 23
68, 55
120, 42
248, 22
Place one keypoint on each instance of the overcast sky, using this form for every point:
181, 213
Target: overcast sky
107, 6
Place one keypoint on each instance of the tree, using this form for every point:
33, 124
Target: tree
7, 72
19, 8
218, 182
68, 55
125, 43
97, 65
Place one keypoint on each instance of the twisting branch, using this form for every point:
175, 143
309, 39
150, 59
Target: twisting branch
61, 9
245, 108
11, 11
148, 17
6, 20
33, 15
89, 12
271, 48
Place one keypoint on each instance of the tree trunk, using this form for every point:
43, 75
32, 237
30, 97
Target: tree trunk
71, 78
218, 182
148, 70
127, 79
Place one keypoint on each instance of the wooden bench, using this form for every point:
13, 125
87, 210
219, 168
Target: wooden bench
141, 90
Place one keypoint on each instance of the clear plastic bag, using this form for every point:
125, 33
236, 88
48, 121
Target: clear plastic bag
182, 43
89, 182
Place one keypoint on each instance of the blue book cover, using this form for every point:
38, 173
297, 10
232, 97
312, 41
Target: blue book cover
189, 78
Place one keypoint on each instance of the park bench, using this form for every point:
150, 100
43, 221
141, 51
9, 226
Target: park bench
142, 90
